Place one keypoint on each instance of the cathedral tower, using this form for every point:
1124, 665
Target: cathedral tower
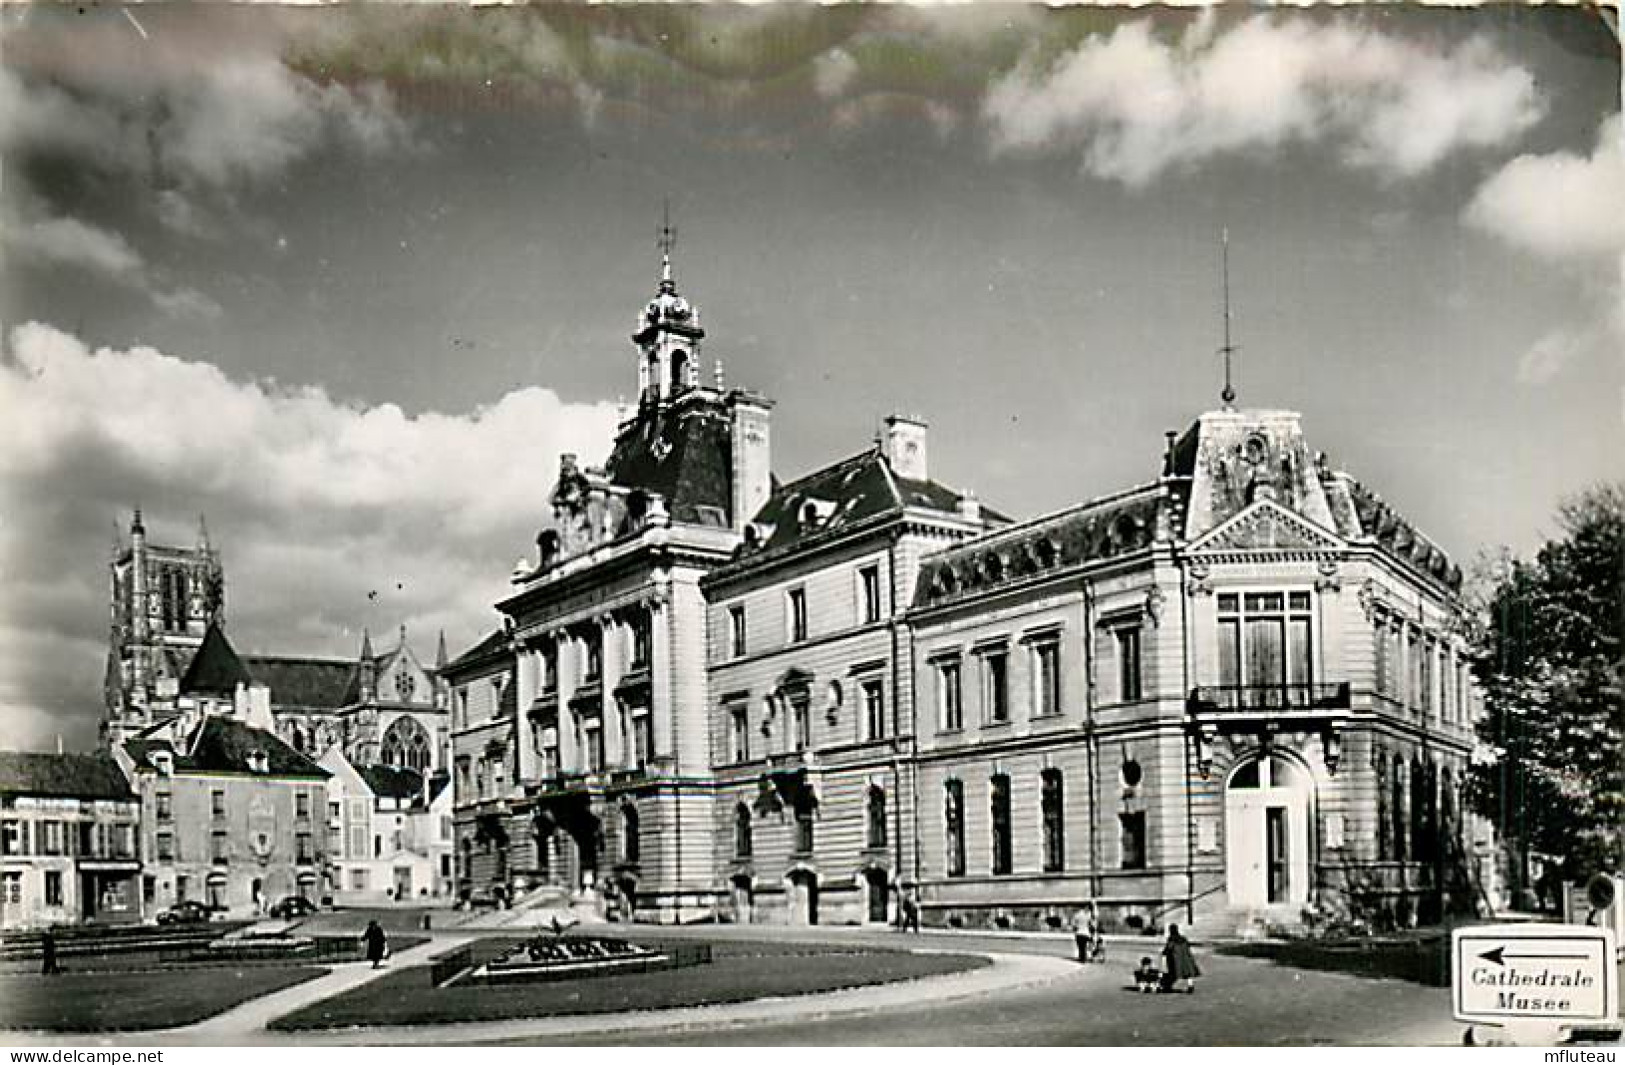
162, 601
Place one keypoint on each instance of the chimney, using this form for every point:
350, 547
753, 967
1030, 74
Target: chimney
970, 508
902, 442
750, 419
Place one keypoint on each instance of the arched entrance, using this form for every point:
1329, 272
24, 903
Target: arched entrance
1267, 810
877, 895
802, 888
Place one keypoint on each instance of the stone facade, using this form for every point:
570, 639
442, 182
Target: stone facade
1236, 692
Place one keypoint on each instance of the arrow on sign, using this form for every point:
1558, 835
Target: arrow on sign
1499, 954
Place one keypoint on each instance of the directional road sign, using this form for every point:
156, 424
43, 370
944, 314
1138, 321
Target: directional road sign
1534, 972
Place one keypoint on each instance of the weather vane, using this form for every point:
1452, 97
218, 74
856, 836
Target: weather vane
667, 240
1228, 349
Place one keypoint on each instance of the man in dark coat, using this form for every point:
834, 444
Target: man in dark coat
48, 962
1178, 963
377, 943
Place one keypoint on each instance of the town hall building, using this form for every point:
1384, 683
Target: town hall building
1236, 692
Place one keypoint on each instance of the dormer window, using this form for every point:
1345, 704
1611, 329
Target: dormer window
164, 762
259, 762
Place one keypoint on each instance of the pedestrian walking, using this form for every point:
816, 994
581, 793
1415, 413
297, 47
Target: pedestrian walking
1086, 934
1178, 963
377, 943
911, 913
48, 962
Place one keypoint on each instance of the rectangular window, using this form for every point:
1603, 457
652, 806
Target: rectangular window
549, 664
874, 708
875, 819
801, 721
595, 747
739, 731
995, 687
1046, 672
1000, 810
804, 828
11, 838
795, 605
13, 889
53, 888
643, 739
592, 659
1426, 677
736, 631
1128, 664
642, 644
301, 805
953, 815
950, 705
163, 806
217, 804
1051, 802
217, 847
166, 847
358, 880
869, 590
53, 837
1265, 648
1132, 839
304, 848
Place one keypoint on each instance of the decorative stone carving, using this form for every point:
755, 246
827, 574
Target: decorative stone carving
1154, 599
1370, 597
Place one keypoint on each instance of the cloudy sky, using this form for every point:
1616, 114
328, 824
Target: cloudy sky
348, 280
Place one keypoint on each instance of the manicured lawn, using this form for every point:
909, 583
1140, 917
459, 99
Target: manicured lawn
136, 1001
737, 972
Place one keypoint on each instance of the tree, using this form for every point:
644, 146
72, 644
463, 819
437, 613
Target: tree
1547, 657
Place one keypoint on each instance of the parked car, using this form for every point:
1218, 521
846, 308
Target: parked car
292, 906
188, 912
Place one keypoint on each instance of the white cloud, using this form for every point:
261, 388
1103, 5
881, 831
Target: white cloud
314, 502
1546, 358
70, 242
1559, 206
1133, 106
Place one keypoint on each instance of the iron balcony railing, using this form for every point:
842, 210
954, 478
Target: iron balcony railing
1268, 698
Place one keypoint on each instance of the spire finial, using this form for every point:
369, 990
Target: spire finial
666, 242
202, 532
1229, 348
136, 524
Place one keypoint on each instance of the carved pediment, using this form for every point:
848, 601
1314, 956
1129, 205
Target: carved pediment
1267, 526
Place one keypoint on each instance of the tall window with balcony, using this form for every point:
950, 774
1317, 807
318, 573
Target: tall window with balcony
873, 695
592, 734
869, 594
1265, 649
1052, 810
592, 658
795, 610
875, 819
1045, 657
737, 645
1000, 810
953, 816
995, 686
950, 697
804, 811
643, 737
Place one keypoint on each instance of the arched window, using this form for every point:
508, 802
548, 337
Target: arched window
406, 745
876, 808
742, 831
630, 848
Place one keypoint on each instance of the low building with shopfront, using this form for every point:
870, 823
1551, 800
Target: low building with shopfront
69, 850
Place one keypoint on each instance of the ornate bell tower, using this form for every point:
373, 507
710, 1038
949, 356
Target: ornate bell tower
668, 335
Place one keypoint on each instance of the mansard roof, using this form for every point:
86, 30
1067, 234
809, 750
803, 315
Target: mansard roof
1101, 529
493, 648
391, 782
215, 669
62, 776
221, 745
1397, 537
839, 497
682, 452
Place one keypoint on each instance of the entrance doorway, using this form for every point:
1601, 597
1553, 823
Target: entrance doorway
803, 897
877, 887
744, 900
1267, 812
403, 882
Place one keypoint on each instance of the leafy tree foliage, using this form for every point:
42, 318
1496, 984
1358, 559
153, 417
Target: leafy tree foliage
1548, 660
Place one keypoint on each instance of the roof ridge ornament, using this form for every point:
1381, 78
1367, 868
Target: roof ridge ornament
1228, 349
